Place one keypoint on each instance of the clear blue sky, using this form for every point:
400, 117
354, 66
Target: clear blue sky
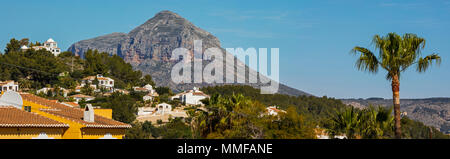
314, 37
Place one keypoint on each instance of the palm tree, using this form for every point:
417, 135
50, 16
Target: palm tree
396, 54
346, 122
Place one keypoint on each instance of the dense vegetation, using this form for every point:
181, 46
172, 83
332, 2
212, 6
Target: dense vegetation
234, 117
174, 129
35, 69
238, 116
378, 123
336, 117
313, 108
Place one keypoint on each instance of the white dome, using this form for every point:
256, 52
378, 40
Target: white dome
24, 47
11, 98
50, 40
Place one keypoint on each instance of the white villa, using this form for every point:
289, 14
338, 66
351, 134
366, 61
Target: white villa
146, 88
160, 109
150, 96
163, 108
9, 86
80, 97
104, 82
50, 45
191, 97
273, 110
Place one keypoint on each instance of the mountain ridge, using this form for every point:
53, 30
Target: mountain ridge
149, 46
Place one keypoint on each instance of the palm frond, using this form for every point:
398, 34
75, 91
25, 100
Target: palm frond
367, 60
424, 63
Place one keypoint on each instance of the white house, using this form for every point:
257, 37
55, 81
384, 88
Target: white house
123, 91
80, 97
193, 97
160, 109
163, 108
78, 88
146, 88
49, 45
9, 86
104, 82
273, 110
150, 96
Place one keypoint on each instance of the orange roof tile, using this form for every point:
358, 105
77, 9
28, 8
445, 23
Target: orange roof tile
81, 96
199, 94
72, 104
13, 117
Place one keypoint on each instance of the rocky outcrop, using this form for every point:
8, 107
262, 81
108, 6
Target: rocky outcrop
108, 43
149, 48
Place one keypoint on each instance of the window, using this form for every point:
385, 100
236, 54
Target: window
10, 88
27, 108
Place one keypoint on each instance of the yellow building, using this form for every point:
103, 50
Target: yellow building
19, 124
87, 123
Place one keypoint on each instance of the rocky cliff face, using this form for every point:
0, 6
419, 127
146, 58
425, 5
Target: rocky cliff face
149, 48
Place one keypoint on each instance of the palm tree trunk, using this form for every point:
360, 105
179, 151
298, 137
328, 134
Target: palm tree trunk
396, 99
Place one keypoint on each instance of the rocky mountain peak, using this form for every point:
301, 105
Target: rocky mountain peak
149, 47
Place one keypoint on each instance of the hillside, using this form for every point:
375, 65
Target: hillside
149, 47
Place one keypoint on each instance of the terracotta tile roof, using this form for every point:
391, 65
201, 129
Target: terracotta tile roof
199, 94
13, 117
91, 78
81, 96
7, 82
154, 94
72, 104
74, 114
274, 109
140, 89
103, 78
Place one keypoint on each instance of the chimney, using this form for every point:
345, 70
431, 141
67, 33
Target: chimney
88, 113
